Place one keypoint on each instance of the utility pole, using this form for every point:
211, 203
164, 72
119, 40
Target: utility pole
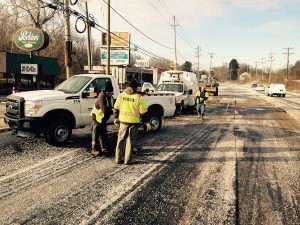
88, 38
198, 57
271, 62
210, 61
256, 70
108, 38
175, 48
262, 69
288, 60
68, 42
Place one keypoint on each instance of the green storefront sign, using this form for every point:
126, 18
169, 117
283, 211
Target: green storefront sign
31, 39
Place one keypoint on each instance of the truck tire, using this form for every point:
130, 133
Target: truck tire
58, 132
217, 92
155, 121
179, 109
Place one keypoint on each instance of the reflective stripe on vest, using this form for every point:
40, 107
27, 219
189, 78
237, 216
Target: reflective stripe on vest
98, 112
129, 108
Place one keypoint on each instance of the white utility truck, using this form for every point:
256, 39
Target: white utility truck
56, 112
183, 84
277, 89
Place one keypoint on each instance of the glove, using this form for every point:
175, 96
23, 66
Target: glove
117, 122
148, 125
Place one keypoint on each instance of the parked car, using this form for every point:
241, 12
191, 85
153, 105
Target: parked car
277, 89
253, 86
260, 88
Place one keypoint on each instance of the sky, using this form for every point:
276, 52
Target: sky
254, 32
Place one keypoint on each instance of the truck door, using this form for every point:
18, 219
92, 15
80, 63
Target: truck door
89, 96
185, 96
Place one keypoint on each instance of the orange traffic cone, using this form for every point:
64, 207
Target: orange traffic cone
14, 90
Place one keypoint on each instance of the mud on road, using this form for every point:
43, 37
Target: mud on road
239, 166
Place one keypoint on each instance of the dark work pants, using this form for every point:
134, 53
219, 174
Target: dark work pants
99, 135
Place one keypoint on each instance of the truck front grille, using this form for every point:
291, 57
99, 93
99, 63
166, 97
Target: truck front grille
15, 107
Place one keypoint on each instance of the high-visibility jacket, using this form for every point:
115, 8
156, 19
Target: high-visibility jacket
98, 112
130, 107
202, 97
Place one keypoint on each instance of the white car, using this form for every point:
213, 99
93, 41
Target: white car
260, 88
277, 89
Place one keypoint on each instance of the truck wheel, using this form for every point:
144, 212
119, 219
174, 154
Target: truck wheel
283, 95
217, 92
58, 133
155, 121
179, 109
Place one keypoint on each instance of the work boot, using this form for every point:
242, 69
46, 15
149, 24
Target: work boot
95, 152
132, 161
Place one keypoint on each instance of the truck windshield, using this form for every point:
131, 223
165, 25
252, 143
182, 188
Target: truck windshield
170, 87
73, 85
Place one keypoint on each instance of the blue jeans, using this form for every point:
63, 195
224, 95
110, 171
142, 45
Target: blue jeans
200, 109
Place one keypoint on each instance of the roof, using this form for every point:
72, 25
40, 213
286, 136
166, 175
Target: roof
47, 66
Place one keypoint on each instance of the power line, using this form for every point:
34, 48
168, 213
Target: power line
186, 38
159, 12
166, 8
138, 29
84, 18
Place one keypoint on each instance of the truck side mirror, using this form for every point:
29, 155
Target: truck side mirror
84, 94
190, 91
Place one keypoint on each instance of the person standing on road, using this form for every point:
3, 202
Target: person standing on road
101, 112
201, 100
129, 111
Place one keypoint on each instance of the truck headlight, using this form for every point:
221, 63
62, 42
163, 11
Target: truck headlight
31, 107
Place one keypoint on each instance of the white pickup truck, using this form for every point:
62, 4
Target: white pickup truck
56, 112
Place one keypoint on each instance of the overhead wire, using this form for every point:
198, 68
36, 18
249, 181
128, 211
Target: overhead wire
138, 29
184, 36
83, 16
159, 12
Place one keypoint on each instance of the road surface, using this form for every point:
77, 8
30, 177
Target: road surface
239, 166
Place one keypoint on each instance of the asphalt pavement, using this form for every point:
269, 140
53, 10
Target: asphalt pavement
3, 126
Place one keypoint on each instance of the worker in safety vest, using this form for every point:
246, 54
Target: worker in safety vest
101, 112
201, 100
130, 111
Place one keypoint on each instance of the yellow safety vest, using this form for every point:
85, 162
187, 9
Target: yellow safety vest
130, 107
98, 112
198, 94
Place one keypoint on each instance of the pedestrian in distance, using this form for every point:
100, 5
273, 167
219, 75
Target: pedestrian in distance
130, 111
201, 99
101, 112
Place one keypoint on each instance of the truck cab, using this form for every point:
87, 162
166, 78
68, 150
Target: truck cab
183, 84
